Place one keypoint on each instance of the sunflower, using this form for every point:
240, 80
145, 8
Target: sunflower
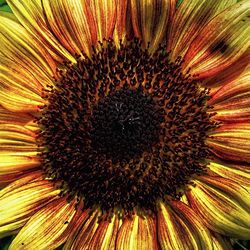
124, 124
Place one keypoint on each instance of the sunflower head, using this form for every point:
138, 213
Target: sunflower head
125, 124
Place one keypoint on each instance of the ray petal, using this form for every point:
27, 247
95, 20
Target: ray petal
105, 235
21, 199
190, 19
239, 173
137, 233
150, 20
231, 102
45, 227
222, 204
31, 15
231, 142
221, 43
180, 228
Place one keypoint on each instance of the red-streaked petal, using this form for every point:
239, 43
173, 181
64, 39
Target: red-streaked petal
232, 101
6, 116
220, 242
72, 23
150, 20
104, 13
81, 238
235, 172
31, 15
222, 204
189, 21
45, 227
18, 152
21, 87
238, 69
21, 199
180, 228
17, 140
231, 142
122, 20
77, 224
17, 44
221, 43
137, 233
105, 235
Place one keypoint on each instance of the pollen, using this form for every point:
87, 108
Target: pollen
124, 129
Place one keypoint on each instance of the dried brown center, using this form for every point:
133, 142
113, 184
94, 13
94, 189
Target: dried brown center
124, 128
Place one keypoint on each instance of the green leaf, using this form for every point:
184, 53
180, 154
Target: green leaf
5, 242
4, 6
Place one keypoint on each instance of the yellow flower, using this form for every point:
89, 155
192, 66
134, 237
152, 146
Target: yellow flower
124, 124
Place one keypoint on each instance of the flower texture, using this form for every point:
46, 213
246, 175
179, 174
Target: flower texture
124, 124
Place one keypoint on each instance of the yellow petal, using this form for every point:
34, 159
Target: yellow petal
221, 43
18, 152
235, 172
180, 228
150, 20
221, 243
104, 13
21, 199
228, 75
232, 101
31, 15
189, 21
82, 237
76, 224
72, 23
122, 21
105, 235
45, 226
223, 205
137, 233
20, 87
231, 142
17, 140
6, 116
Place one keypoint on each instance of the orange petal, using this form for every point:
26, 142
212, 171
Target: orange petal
21, 199
150, 20
72, 23
6, 116
180, 228
137, 233
18, 45
104, 13
222, 204
232, 101
221, 243
231, 142
221, 43
236, 70
31, 15
17, 140
18, 151
189, 21
20, 87
105, 235
81, 238
234, 172
76, 224
122, 20
45, 227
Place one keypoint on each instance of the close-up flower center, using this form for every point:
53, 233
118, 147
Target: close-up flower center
124, 128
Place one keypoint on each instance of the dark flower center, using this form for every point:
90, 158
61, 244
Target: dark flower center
124, 129
125, 124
